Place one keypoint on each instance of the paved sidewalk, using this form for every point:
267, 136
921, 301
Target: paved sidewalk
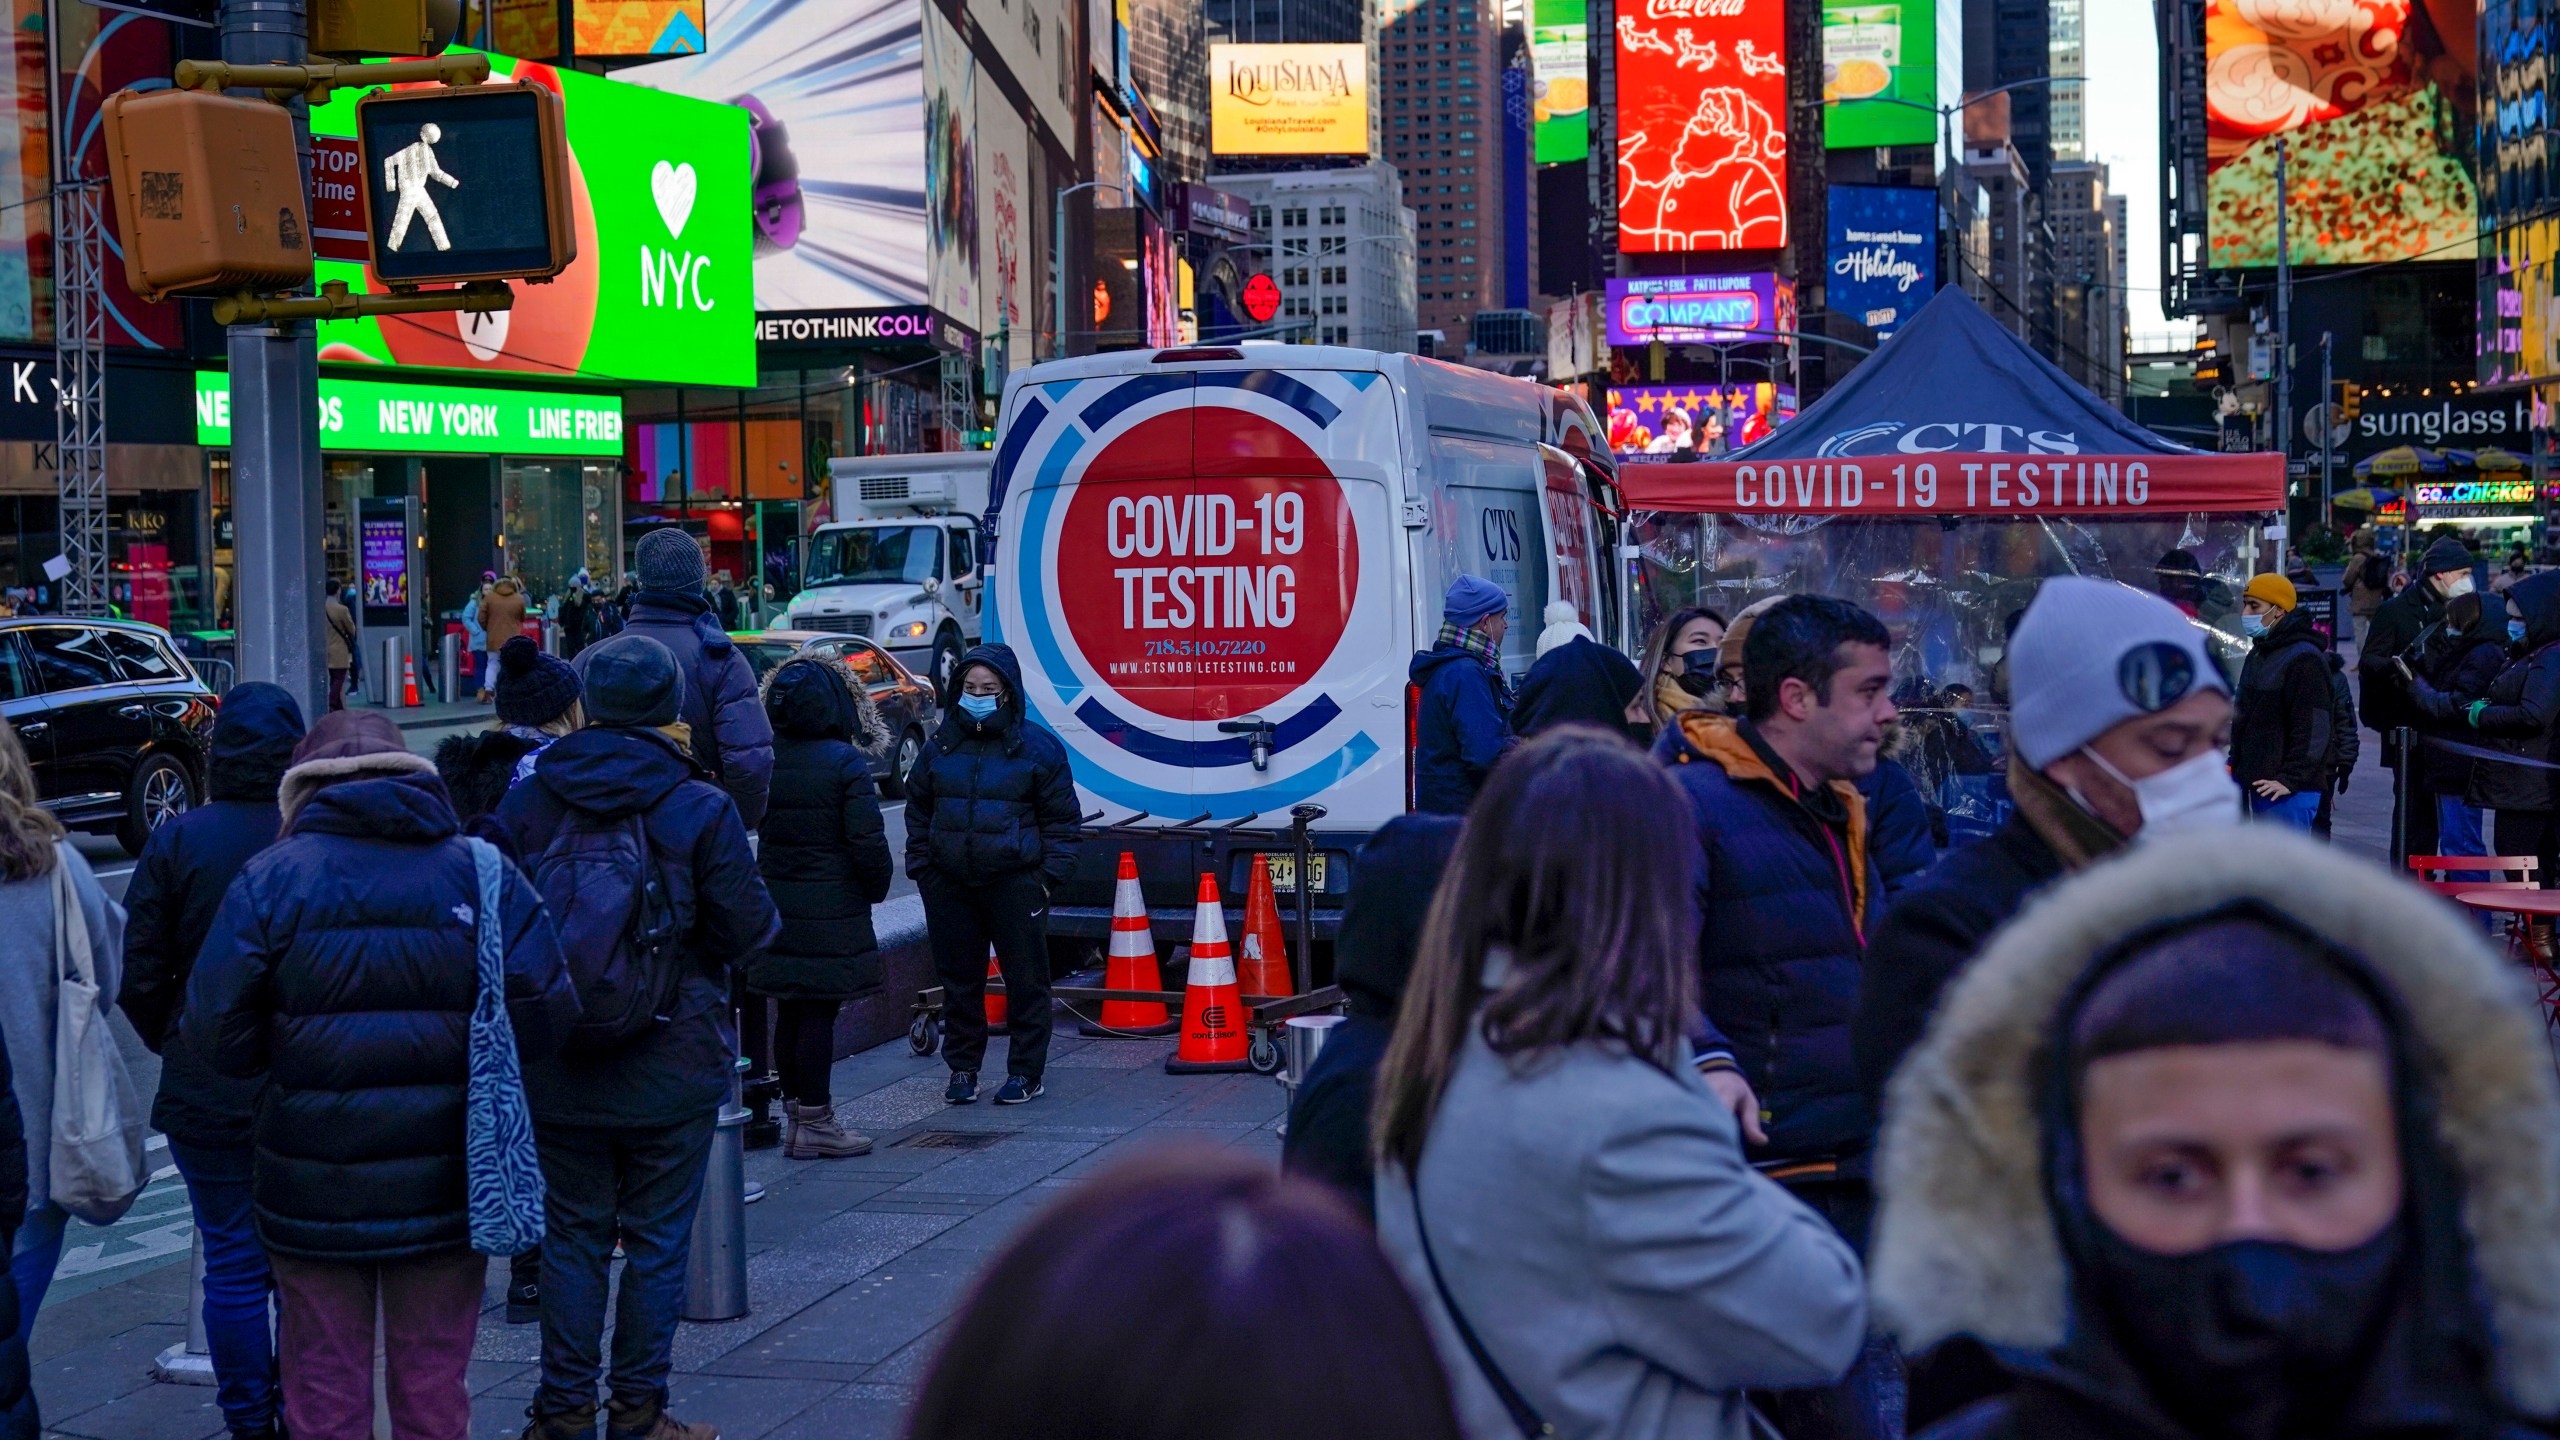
854, 1263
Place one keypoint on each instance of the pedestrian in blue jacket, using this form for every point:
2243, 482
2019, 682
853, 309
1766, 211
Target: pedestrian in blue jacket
1463, 723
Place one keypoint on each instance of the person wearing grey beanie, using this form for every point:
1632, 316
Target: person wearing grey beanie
2444, 571
718, 699
1462, 723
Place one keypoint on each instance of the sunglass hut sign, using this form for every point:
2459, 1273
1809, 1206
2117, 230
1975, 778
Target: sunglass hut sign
2466, 424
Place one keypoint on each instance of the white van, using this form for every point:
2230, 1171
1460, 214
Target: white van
1216, 563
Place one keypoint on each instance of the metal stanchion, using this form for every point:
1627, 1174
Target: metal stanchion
450, 674
2403, 744
189, 1362
715, 1279
1302, 1038
390, 690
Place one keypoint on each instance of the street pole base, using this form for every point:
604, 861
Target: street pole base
178, 1365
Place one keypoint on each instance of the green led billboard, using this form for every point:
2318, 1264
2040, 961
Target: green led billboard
662, 288
1560, 81
1880, 73
389, 415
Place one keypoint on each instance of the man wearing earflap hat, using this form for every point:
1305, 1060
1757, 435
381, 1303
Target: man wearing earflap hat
1462, 723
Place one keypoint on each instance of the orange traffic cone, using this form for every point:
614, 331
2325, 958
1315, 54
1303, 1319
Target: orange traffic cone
1264, 970
1132, 964
997, 1014
408, 682
1213, 1014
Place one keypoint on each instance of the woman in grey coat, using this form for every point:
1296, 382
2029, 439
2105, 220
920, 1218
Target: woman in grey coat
1563, 1194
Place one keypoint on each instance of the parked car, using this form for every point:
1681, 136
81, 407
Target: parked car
906, 702
114, 721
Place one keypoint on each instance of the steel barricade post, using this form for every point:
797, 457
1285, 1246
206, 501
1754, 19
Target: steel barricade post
1304, 962
449, 674
715, 1280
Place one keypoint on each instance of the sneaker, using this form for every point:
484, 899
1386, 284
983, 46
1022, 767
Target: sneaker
650, 1421
561, 1425
1019, 1088
815, 1135
963, 1089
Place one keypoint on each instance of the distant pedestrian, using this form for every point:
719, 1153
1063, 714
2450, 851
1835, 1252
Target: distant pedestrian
577, 615
1580, 681
340, 643
2280, 733
177, 887
341, 968
2367, 580
355, 657
2453, 663
724, 600
2233, 1141
475, 639
1212, 1300
1556, 1183
1680, 664
730, 736
2345, 745
1461, 721
824, 855
991, 832
502, 612
647, 871
1392, 883
2517, 713
2443, 572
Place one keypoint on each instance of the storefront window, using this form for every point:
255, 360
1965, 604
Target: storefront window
542, 508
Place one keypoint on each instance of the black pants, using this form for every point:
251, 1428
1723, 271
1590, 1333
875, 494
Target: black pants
1013, 915
795, 1040
2528, 832
1866, 1403
2421, 813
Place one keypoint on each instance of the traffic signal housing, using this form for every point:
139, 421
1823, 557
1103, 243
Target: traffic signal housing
208, 193
2346, 400
383, 29
468, 183
2212, 366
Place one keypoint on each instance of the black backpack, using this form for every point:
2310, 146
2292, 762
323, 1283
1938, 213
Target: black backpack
616, 925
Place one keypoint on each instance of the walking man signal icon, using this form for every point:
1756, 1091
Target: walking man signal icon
406, 173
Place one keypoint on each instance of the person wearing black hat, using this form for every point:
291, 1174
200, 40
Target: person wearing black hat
623, 1119
538, 702
1580, 681
2396, 630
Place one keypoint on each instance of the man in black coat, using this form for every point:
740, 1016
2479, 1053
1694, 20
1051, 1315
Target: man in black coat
2444, 572
177, 887
991, 831
625, 1131
2280, 733
718, 704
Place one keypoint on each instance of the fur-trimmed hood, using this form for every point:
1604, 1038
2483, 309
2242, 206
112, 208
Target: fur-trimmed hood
798, 704
312, 776
1966, 1242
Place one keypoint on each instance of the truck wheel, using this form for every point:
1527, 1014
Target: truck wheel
946, 662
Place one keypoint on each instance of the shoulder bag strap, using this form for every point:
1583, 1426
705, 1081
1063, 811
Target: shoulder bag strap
71, 951
1524, 1415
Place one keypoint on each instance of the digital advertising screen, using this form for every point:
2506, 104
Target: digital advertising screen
1699, 309
1661, 422
1879, 73
2375, 108
1883, 253
1702, 132
1289, 99
1560, 81
599, 29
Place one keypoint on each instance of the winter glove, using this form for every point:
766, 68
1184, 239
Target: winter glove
2343, 776
2472, 713
2432, 702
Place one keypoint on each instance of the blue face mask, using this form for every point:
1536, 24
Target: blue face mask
2515, 632
980, 707
2253, 626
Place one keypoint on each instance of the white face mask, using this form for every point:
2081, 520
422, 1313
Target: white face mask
2197, 793
2459, 586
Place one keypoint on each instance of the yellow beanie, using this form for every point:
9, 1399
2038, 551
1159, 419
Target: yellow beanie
2274, 590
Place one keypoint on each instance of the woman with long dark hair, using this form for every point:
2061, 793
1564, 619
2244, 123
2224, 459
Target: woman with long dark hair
1680, 663
1555, 1181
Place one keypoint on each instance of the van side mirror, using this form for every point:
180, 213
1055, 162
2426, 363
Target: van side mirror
932, 586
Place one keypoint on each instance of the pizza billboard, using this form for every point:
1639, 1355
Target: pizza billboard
1289, 99
1702, 126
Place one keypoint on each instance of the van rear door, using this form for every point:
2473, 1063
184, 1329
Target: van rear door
1573, 541
1488, 521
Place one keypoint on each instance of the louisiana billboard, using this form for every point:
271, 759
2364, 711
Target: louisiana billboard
1289, 99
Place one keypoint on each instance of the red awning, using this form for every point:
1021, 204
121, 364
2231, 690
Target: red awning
1958, 483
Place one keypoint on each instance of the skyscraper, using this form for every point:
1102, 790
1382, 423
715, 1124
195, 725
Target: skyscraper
1440, 75
2068, 65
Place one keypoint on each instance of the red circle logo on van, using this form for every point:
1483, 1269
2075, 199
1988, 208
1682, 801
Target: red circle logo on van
1207, 598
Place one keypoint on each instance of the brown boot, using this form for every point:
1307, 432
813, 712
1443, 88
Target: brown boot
813, 1134
649, 1420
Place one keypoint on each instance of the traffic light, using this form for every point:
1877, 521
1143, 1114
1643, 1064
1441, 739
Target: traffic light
2212, 366
380, 29
2346, 400
208, 193
469, 183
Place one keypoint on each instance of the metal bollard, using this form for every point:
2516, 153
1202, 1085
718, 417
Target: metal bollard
388, 687
715, 1276
190, 1361
452, 669
1302, 1038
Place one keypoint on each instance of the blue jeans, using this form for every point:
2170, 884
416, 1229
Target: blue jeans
2296, 809
32, 1260
237, 1283
642, 1184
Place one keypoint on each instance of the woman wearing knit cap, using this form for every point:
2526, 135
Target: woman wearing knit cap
538, 702
1462, 723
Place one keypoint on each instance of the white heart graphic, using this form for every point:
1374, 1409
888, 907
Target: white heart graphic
672, 186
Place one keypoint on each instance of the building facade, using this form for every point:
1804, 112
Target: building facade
1343, 247
2090, 313
1441, 81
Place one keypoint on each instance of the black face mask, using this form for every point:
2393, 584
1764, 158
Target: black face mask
1698, 670
2254, 1340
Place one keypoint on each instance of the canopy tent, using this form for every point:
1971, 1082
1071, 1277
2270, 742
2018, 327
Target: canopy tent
1956, 416
2401, 460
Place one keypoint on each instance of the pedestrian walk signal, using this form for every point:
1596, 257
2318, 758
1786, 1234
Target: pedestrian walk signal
208, 193
468, 183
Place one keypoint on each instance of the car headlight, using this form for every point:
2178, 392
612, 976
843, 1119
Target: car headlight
912, 630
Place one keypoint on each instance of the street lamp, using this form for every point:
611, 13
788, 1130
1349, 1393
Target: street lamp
1058, 256
1947, 130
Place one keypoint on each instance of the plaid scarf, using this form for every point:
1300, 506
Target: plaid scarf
1473, 641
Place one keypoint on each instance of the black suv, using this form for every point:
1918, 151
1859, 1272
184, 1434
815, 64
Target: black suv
113, 719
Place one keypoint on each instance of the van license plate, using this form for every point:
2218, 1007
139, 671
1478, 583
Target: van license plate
1284, 873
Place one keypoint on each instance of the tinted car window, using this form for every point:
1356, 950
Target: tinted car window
17, 676
141, 657
70, 657
763, 656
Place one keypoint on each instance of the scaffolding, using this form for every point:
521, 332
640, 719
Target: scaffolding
80, 402
957, 402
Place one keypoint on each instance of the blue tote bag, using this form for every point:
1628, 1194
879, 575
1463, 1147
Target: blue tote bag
505, 1172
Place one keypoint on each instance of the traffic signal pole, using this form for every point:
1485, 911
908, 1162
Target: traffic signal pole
276, 497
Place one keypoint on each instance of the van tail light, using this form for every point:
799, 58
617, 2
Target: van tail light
1198, 352
1412, 737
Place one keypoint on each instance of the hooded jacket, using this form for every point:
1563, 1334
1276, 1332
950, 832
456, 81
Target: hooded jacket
1461, 725
342, 968
990, 799
176, 889
1901, 841
2523, 707
1787, 894
824, 852
1968, 1242
731, 737
680, 1071
1579, 681
2280, 730
2460, 664
502, 612
2395, 627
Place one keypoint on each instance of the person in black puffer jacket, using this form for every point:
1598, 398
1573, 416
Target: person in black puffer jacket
342, 967
539, 700
2516, 714
730, 736
991, 830
2459, 655
177, 887
2280, 727
825, 859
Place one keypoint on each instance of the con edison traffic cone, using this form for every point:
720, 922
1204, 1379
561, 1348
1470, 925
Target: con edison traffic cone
1133, 962
997, 1014
1213, 1014
1264, 968
408, 682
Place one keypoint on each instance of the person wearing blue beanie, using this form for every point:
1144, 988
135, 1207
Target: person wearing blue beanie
1463, 723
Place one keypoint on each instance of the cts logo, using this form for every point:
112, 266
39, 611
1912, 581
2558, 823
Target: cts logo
1935, 437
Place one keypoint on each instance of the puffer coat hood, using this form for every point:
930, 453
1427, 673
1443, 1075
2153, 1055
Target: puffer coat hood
822, 699
988, 800
1967, 1241
824, 854
1000, 659
253, 742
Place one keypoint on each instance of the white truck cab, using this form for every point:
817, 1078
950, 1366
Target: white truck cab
900, 566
